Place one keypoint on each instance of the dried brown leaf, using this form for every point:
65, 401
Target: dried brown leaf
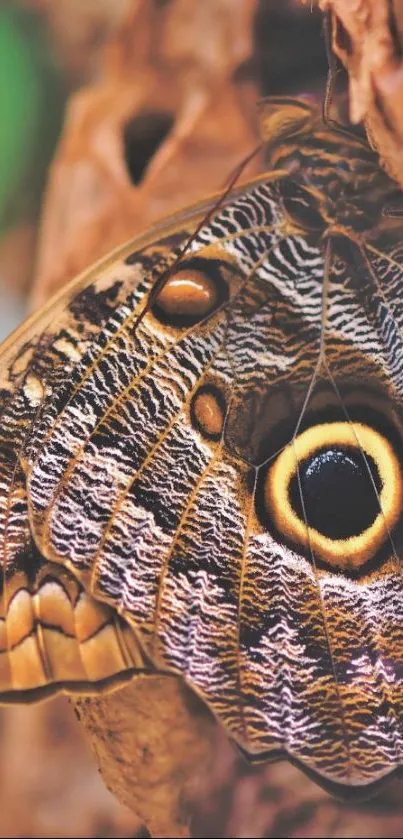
154, 741
366, 37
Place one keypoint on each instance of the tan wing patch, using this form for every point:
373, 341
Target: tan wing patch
53, 634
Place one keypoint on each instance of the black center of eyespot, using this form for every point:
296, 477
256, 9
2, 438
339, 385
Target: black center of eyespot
338, 494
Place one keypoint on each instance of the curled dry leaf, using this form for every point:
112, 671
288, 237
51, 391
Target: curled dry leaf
154, 741
367, 38
164, 126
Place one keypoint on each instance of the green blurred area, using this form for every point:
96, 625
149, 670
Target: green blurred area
32, 98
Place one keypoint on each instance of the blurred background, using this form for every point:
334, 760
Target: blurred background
143, 106
112, 114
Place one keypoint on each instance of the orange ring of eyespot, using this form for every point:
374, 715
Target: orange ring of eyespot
353, 551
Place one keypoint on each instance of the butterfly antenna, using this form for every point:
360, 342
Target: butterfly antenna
332, 71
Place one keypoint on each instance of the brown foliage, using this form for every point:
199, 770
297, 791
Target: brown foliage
367, 37
164, 126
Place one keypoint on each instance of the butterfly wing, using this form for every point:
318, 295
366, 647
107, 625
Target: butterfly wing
54, 634
170, 474
146, 478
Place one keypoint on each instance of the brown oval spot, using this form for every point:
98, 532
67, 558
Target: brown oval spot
188, 293
192, 293
208, 411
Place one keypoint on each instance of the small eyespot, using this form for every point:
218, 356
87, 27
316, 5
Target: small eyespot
191, 294
335, 491
207, 411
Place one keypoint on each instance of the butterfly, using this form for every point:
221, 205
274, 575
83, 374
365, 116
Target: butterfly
201, 464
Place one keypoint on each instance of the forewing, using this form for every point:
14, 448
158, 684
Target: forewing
54, 634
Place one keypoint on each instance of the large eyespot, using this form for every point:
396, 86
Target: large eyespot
192, 293
336, 490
